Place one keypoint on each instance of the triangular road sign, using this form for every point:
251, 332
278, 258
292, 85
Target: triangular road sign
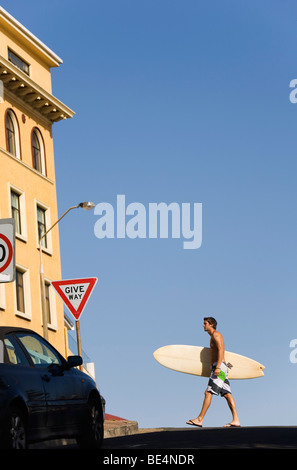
75, 293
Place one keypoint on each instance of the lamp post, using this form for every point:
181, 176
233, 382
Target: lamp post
84, 205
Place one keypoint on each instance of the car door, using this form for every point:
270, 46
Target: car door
63, 388
24, 380
65, 403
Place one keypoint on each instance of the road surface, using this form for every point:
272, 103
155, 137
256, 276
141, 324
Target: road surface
272, 437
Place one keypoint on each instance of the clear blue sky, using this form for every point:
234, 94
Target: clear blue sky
180, 102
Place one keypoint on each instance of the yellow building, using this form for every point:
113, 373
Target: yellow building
28, 111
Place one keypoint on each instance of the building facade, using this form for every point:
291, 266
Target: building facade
28, 111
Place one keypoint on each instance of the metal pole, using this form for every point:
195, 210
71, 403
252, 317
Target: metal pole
84, 205
78, 338
42, 283
43, 299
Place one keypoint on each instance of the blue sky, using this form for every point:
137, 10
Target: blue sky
180, 102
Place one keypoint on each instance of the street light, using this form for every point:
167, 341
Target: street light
84, 205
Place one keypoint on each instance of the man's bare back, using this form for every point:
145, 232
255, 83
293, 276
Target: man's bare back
216, 345
217, 348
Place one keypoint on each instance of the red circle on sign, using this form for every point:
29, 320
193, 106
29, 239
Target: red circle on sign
10, 252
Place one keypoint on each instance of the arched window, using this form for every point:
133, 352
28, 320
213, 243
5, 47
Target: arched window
12, 134
38, 151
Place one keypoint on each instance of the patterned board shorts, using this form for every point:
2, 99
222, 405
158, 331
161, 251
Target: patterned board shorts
219, 385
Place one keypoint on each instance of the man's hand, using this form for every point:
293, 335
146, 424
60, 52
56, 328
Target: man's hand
217, 371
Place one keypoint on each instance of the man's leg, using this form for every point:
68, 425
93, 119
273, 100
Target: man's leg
232, 406
206, 403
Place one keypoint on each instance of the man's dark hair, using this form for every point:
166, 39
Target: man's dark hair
212, 321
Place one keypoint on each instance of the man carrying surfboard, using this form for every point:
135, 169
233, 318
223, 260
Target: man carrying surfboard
218, 383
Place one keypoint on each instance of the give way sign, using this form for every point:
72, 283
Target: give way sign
75, 293
7, 250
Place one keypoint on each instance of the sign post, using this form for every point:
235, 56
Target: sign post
75, 293
7, 250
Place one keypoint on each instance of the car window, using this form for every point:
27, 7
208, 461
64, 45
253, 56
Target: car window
40, 352
14, 351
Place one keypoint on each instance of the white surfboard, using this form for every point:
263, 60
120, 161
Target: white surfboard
196, 360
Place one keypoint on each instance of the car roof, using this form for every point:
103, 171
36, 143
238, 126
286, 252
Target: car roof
11, 329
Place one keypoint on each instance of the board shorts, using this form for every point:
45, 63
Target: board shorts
219, 385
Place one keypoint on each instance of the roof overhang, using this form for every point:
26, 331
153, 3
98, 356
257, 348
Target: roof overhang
31, 93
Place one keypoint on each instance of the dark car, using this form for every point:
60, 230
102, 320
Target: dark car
44, 396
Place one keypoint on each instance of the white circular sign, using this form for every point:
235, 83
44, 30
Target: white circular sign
6, 252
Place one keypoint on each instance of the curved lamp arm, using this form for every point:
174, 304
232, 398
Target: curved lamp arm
84, 205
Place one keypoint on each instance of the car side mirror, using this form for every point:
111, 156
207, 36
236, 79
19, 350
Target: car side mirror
74, 361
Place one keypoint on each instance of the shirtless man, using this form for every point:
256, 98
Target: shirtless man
218, 383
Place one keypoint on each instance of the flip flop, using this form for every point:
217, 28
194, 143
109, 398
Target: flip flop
229, 425
191, 423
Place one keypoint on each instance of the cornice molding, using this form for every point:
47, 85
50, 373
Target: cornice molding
31, 93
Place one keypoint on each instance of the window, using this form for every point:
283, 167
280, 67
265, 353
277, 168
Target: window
38, 154
18, 62
50, 302
14, 351
2, 296
41, 223
47, 287
12, 134
16, 210
40, 352
20, 292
